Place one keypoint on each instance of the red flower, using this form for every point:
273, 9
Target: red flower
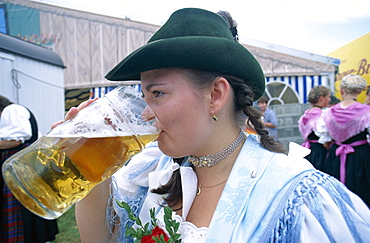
155, 232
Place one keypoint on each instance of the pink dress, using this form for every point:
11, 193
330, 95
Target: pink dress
348, 158
307, 125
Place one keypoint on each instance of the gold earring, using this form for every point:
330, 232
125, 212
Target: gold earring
214, 117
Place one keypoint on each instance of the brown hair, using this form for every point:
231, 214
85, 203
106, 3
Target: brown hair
263, 99
316, 92
4, 102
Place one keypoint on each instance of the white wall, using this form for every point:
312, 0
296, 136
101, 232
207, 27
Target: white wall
37, 85
6, 65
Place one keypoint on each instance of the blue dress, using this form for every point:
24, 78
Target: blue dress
269, 197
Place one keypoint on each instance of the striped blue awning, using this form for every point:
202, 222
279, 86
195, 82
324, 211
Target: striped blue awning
301, 84
101, 91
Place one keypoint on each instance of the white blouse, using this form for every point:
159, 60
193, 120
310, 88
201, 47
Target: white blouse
189, 232
15, 124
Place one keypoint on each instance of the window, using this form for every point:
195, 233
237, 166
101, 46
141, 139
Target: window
280, 93
3, 23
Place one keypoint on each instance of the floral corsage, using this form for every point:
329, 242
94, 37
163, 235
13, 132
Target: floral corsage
151, 232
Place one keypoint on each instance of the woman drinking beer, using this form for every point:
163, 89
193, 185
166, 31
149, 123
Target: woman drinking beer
222, 184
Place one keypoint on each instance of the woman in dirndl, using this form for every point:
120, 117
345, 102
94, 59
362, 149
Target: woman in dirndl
319, 97
347, 124
18, 129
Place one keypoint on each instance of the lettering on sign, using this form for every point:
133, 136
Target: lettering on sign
363, 67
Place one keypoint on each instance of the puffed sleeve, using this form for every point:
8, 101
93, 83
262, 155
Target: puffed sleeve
321, 130
322, 209
130, 185
15, 124
132, 179
338, 221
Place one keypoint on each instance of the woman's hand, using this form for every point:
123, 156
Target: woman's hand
90, 211
73, 111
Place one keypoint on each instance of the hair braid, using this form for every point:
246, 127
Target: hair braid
244, 100
173, 188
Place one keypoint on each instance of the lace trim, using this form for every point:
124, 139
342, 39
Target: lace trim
189, 232
112, 219
117, 218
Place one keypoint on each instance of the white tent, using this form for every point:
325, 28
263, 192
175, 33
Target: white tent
32, 76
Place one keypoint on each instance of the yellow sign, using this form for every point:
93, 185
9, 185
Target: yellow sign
355, 58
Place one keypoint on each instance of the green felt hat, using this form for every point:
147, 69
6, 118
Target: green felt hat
193, 38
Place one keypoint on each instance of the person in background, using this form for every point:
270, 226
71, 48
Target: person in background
268, 116
222, 184
347, 124
367, 99
333, 101
18, 129
318, 97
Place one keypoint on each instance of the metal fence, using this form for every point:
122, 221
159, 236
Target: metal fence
287, 117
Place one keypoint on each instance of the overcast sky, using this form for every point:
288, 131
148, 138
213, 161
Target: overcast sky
317, 26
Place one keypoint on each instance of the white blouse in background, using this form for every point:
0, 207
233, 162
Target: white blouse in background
15, 124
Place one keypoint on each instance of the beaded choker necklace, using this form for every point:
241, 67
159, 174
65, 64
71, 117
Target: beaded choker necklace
213, 159
317, 106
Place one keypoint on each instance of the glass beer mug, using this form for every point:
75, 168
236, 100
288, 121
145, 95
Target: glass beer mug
60, 168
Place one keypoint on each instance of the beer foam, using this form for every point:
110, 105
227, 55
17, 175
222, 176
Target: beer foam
117, 114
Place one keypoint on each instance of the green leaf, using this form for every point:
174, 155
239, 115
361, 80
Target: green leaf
168, 226
171, 225
152, 212
156, 239
152, 216
146, 226
176, 236
168, 212
176, 226
131, 216
124, 205
138, 222
140, 234
162, 239
130, 231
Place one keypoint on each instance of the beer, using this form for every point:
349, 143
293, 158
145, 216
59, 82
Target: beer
60, 168
52, 176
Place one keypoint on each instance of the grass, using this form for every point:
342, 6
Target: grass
68, 232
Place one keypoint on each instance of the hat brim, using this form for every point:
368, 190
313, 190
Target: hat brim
200, 52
